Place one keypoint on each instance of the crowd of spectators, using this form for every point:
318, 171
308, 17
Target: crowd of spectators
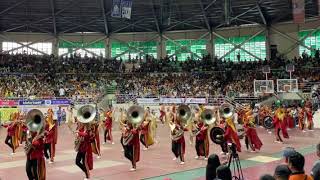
46, 76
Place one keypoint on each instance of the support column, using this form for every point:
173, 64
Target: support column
268, 44
108, 48
1, 45
161, 48
55, 47
210, 47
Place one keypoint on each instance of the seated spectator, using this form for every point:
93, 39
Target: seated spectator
282, 172
315, 172
296, 165
287, 152
267, 177
213, 164
224, 173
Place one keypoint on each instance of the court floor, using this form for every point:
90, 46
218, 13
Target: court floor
156, 163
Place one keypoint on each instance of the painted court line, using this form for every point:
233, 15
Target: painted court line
97, 165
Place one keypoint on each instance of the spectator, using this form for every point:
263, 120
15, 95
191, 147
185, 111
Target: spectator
287, 152
296, 165
315, 172
213, 164
267, 177
224, 172
282, 172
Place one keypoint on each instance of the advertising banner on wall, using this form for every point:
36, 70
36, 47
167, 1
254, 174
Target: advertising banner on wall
148, 100
8, 103
44, 102
31, 102
183, 100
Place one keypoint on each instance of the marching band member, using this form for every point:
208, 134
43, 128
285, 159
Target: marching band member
279, 124
146, 137
12, 139
162, 114
202, 140
131, 144
301, 118
84, 159
309, 115
251, 135
23, 129
108, 127
35, 165
96, 142
177, 135
50, 139
289, 118
231, 135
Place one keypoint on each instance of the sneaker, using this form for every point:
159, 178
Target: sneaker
196, 157
182, 163
145, 149
12, 154
104, 143
252, 151
122, 150
222, 153
174, 159
112, 143
206, 159
50, 162
98, 157
304, 131
133, 169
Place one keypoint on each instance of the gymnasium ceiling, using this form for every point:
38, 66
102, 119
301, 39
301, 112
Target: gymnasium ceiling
68, 16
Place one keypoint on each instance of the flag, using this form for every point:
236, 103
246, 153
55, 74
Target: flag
121, 8
126, 6
298, 11
116, 9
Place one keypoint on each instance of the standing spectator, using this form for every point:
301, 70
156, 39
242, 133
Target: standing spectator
64, 115
213, 164
296, 165
62, 92
315, 172
59, 115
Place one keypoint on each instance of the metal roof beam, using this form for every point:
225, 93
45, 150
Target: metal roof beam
12, 7
261, 15
129, 24
205, 16
155, 17
105, 20
53, 17
78, 25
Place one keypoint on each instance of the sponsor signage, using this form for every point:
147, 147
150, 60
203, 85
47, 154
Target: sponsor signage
8, 103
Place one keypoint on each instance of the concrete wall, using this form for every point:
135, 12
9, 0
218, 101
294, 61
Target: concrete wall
275, 38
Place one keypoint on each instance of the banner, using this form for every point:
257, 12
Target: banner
121, 9
126, 7
148, 100
8, 103
60, 102
298, 11
183, 100
116, 9
6, 112
32, 102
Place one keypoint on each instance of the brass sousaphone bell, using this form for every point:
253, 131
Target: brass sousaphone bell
227, 110
208, 116
86, 113
183, 114
35, 120
135, 115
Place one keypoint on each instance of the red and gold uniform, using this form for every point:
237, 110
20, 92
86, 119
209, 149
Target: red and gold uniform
13, 133
178, 142
96, 142
35, 166
131, 144
280, 124
51, 135
231, 135
309, 114
108, 127
289, 118
84, 159
301, 118
202, 140
146, 137
162, 114
251, 136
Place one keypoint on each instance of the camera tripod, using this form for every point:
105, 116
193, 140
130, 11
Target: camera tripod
237, 170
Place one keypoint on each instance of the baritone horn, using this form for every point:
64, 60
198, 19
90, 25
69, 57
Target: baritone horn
227, 110
86, 113
135, 115
35, 120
